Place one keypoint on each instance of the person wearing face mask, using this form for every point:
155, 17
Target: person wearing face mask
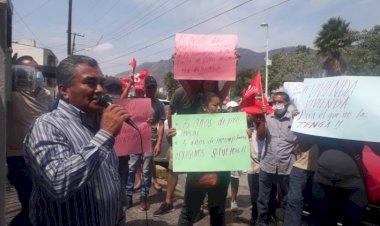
28, 101
277, 160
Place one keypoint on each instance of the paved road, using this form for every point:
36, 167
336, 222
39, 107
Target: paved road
136, 217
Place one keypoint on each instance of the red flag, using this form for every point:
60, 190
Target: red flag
138, 79
255, 108
255, 86
243, 92
133, 65
249, 94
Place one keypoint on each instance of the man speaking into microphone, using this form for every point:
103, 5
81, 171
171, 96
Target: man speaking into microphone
70, 152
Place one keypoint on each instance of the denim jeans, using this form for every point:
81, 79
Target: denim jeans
253, 183
147, 169
300, 184
266, 181
194, 196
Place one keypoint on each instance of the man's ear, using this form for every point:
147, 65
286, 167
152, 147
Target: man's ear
63, 91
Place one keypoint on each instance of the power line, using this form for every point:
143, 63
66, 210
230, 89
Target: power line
103, 14
142, 25
36, 9
146, 14
221, 8
134, 16
172, 35
220, 28
86, 15
251, 15
27, 27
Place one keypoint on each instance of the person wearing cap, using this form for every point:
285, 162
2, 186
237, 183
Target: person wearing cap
157, 123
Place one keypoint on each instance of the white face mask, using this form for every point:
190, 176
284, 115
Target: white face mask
279, 109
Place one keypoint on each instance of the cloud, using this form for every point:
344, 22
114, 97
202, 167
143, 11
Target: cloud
104, 47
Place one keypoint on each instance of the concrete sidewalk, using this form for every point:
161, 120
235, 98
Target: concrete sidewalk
136, 217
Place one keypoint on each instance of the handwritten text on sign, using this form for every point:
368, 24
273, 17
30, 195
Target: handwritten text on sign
205, 57
342, 107
128, 140
294, 90
210, 142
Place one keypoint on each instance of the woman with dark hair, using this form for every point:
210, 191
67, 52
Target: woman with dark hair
215, 184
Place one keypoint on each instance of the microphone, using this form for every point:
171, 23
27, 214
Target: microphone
105, 101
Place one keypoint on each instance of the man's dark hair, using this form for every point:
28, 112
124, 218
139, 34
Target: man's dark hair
23, 58
287, 98
66, 68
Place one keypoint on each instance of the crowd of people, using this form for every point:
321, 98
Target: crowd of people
66, 172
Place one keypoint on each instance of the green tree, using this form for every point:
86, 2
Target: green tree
332, 41
364, 56
293, 66
170, 84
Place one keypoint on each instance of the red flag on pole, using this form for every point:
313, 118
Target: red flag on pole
249, 103
138, 79
255, 86
243, 92
133, 65
249, 94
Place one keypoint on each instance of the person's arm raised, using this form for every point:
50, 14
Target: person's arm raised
125, 92
189, 90
224, 91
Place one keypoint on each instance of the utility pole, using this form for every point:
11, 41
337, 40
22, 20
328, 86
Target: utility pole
73, 48
69, 29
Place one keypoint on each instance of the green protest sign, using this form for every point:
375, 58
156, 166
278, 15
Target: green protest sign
210, 142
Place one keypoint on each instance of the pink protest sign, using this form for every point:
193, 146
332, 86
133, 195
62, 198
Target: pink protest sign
128, 141
205, 57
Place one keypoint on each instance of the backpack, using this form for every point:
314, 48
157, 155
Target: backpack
370, 167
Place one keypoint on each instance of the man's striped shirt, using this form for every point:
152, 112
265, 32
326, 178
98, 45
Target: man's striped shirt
74, 169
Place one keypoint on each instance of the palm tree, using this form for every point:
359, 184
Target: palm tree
331, 42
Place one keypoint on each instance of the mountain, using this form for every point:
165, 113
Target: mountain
248, 59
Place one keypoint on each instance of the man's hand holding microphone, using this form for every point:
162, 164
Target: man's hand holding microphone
113, 118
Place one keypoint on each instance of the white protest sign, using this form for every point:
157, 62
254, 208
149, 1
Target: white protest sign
343, 107
294, 90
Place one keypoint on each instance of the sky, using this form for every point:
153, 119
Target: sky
115, 31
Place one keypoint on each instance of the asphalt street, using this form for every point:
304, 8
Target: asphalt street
136, 217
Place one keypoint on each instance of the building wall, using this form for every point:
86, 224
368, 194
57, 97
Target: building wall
44, 58
5, 36
37, 53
